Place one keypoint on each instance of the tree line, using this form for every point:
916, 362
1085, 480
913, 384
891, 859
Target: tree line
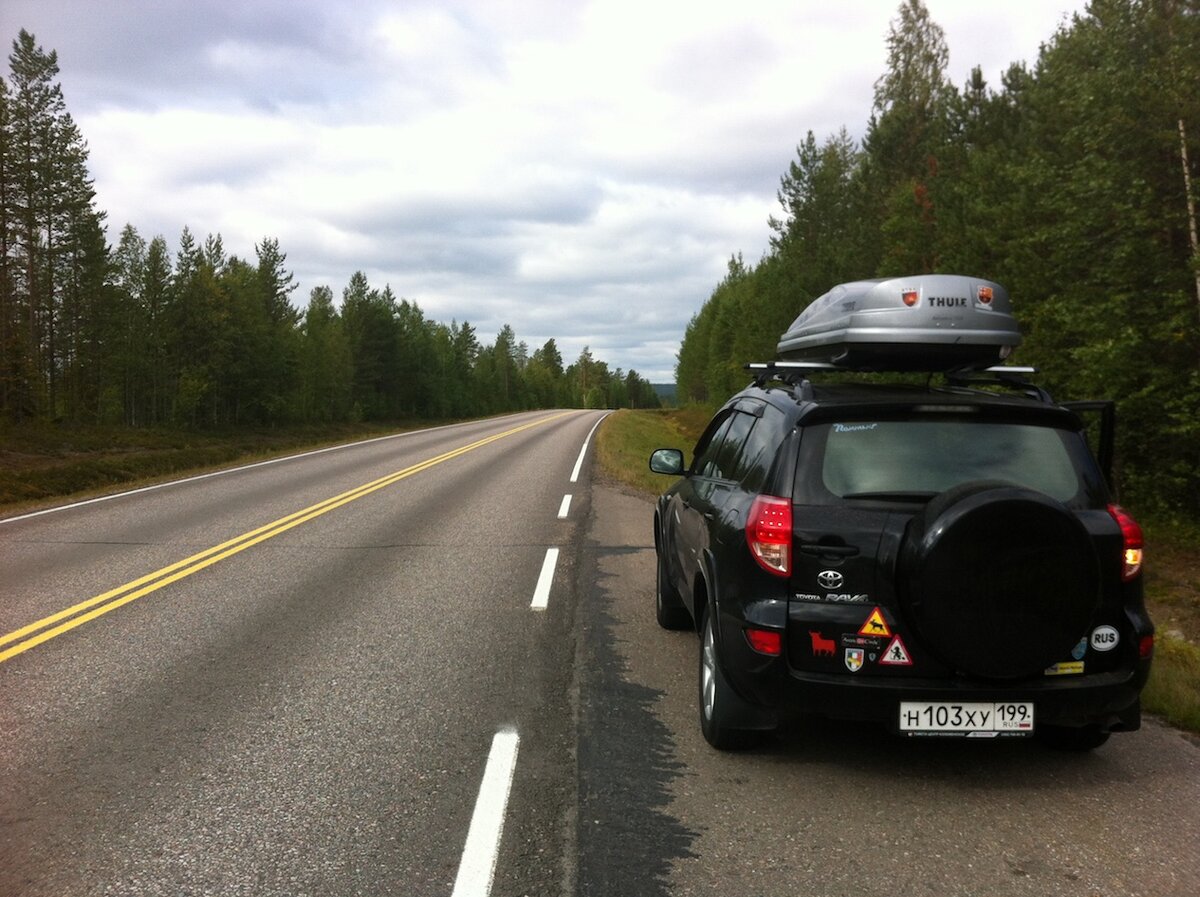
1073, 183
91, 333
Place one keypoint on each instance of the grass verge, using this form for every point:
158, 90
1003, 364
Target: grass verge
627, 438
43, 463
1173, 691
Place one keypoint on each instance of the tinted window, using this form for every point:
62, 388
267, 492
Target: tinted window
731, 448
707, 448
759, 451
923, 456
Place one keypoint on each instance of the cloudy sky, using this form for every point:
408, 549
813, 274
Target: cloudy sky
579, 170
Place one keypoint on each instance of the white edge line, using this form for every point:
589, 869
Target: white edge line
565, 508
221, 473
541, 594
478, 865
583, 451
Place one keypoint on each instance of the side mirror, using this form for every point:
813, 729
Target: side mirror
668, 461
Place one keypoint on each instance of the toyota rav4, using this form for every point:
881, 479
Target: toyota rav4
945, 557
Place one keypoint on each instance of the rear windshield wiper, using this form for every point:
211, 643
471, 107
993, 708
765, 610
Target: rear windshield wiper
893, 496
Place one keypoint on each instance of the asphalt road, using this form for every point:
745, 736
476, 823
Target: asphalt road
313, 714
351, 687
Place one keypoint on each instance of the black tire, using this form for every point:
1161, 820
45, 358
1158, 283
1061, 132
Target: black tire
717, 698
999, 581
668, 606
1071, 738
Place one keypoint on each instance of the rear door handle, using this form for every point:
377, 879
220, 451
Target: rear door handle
829, 551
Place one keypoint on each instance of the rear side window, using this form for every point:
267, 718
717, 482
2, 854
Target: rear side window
924, 457
760, 449
731, 448
705, 463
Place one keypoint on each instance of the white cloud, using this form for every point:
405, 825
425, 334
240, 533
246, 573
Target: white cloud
581, 171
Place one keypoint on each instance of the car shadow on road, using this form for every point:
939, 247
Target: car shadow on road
1008, 762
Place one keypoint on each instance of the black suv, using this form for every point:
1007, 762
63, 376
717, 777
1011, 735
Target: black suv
943, 557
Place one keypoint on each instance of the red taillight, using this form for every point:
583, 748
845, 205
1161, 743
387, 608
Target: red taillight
769, 533
1145, 647
765, 641
1131, 534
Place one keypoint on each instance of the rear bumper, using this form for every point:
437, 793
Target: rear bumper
1108, 699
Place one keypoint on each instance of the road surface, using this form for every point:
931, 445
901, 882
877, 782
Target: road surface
413, 666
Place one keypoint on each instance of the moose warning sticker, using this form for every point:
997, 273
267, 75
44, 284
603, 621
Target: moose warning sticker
875, 625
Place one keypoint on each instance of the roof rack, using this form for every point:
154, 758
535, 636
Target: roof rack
787, 371
1009, 376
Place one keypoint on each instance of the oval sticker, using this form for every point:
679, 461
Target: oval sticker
1104, 638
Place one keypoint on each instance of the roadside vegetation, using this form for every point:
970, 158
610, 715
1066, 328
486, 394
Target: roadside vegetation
626, 439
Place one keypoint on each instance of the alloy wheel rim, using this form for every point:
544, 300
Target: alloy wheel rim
708, 680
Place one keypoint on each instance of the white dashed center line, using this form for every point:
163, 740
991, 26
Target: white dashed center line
565, 508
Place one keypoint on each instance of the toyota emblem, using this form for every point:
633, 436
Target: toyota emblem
830, 579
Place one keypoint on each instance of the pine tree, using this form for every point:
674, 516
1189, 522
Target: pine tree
10, 332
273, 285
326, 368
156, 296
36, 104
905, 140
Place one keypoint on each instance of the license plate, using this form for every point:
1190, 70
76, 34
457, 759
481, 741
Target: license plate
978, 718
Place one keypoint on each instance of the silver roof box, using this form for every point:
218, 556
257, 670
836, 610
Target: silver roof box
929, 322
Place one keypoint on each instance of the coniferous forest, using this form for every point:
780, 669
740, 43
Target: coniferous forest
1072, 182
92, 333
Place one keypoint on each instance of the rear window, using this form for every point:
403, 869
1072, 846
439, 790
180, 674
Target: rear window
924, 457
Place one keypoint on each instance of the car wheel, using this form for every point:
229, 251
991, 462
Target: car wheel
1072, 738
668, 606
717, 698
999, 581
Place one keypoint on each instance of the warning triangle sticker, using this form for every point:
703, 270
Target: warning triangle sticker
896, 654
875, 625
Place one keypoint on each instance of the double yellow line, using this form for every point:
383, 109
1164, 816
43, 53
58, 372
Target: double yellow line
65, 620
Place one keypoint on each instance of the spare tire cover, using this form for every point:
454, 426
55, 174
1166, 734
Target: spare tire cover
999, 581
